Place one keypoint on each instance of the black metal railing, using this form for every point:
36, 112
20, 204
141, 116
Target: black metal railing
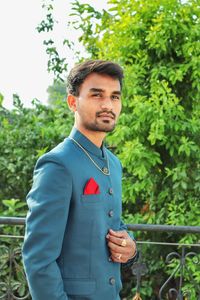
183, 261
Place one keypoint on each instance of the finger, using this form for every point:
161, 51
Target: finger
117, 241
120, 234
116, 248
118, 258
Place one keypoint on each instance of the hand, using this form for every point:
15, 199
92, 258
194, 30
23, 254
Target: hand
121, 246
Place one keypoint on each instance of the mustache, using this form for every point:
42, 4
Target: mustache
106, 112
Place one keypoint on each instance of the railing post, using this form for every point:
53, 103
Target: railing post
139, 269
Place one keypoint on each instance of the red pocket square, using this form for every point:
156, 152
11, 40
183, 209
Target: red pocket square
91, 187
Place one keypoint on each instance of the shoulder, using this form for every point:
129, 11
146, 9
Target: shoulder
51, 167
58, 155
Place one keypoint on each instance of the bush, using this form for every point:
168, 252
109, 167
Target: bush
25, 134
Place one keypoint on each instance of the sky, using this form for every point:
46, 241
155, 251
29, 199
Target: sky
23, 61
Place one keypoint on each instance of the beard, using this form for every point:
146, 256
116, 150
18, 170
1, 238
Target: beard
98, 124
104, 126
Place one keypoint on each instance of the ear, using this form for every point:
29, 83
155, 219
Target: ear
71, 101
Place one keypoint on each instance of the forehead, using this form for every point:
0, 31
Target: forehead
100, 81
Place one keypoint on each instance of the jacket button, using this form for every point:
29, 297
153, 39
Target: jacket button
112, 280
110, 191
111, 213
105, 170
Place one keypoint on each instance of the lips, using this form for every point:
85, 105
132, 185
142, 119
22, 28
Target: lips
106, 115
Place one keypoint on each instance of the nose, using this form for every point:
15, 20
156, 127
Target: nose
106, 104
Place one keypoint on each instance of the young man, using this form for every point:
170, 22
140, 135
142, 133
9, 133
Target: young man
75, 240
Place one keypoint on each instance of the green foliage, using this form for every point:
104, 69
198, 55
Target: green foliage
13, 208
158, 134
56, 64
26, 134
56, 92
12, 273
1, 99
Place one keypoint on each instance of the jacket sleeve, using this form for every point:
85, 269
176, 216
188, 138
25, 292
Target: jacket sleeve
124, 227
48, 203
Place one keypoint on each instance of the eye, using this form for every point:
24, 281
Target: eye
115, 97
97, 95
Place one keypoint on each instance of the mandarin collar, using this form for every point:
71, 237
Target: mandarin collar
86, 143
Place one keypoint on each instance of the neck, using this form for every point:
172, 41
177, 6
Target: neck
96, 137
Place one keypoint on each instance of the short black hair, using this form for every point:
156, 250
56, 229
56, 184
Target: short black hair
79, 73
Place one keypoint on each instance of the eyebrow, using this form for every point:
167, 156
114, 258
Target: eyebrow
102, 91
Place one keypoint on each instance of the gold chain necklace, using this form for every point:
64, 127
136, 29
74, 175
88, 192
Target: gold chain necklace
105, 171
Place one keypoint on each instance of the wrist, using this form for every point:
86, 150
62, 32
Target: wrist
135, 251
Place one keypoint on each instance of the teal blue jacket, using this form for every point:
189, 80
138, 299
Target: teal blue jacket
65, 252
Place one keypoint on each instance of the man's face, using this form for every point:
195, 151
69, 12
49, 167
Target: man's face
99, 103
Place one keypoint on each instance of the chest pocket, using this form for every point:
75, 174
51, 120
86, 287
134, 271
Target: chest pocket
92, 199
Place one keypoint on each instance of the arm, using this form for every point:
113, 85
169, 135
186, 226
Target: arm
134, 258
122, 246
48, 203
